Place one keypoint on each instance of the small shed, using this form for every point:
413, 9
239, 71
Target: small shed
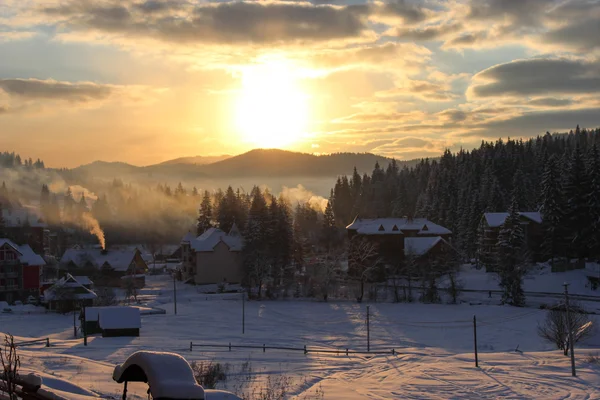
119, 321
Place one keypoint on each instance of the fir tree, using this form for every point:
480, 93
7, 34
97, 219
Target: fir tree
577, 215
552, 210
329, 230
593, 202
511, 257
204, 214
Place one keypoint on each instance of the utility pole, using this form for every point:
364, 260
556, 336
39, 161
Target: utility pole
475, 340
83, 325
74, 323
570, 327
368, 332
243, 312
175, 290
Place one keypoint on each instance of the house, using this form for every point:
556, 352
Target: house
20, 271
425, 250
390, 234
213, 257
119, 321
107, 266
491, 225
68, 294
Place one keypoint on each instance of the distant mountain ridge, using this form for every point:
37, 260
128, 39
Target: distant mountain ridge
271, 163
196, 160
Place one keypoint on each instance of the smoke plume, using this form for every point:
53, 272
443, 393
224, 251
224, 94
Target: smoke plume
302, 195
92, 225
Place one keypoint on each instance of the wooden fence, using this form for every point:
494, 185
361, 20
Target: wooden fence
304, 349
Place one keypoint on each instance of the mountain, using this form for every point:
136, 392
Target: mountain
274, 162
261, 163
196, 160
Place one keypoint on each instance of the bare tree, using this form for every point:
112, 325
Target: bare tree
106, 297
555, 328
363, 262
130, 288
328, 272
10, 366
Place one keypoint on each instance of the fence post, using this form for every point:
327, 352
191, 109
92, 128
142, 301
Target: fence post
229, 346
346, 351
475, 340
393, 352
47, 342
264, 348
190, 346
305, 350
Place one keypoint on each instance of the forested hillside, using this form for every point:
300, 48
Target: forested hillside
557, 174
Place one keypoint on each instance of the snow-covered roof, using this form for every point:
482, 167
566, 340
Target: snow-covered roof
84, 280
16, 217
168, 375
26, 253
396, 226
188, 237
419, 246
213, 236
119, 260
68, 288
497, 219
119, 318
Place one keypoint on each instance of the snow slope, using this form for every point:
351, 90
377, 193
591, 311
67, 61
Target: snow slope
434, 346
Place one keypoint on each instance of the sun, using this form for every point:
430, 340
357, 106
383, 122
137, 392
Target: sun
271, 109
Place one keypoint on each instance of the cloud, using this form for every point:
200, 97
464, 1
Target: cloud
425, 90
427, 33
578, 35
549, 102
536, 77
381, 117
411, 147
217, 23
537, 123
409, 13
54, 90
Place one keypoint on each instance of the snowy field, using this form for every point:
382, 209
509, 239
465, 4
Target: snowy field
433, 344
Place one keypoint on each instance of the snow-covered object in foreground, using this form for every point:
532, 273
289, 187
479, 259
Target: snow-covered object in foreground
168, 375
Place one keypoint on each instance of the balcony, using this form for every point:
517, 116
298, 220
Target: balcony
9, 288
9, 274
9, 262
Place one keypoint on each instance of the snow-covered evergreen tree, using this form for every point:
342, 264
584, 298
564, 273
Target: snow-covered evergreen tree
205, 214
552, 210
577, 215
593, 202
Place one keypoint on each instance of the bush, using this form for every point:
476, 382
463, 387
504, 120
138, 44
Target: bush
209, 374
555, 328
593, 359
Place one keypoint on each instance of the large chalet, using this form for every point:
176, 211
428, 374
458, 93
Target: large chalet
20, 271
213, 257
400, 237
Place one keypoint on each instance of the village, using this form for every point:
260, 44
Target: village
105, 304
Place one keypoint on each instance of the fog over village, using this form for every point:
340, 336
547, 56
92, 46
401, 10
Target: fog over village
394, 199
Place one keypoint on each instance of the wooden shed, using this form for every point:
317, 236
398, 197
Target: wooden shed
119, 321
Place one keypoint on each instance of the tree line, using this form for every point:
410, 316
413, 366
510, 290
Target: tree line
556, 174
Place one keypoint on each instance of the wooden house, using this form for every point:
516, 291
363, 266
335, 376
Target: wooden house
107, 266
390, 234
20, 271
489, 230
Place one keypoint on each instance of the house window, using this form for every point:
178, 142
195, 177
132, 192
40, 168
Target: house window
10, 256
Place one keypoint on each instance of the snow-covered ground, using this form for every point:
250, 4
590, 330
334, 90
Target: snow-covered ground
433, 344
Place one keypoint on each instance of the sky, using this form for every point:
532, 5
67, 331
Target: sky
147, 81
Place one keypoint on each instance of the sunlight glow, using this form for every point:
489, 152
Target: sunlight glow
271, 110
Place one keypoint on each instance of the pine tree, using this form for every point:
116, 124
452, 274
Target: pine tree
577, 215
204, 214
511, 257
329, 230
593, 202
68, 205
257, 266
552, 210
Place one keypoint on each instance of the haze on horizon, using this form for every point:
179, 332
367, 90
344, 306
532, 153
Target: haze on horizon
147, 81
